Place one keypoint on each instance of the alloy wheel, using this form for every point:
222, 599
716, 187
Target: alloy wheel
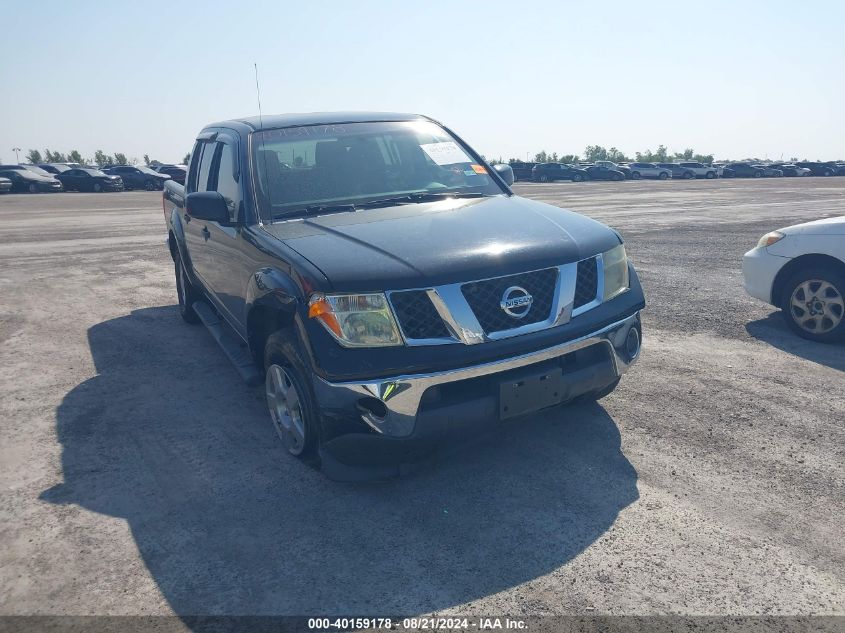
817, 306
285, 404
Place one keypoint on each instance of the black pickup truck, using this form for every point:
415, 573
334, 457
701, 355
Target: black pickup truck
387, 286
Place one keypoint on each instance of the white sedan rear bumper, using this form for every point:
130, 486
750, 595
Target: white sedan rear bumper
759, 268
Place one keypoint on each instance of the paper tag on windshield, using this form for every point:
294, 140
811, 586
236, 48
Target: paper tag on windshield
447, 153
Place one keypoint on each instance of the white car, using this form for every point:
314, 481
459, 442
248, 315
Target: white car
700, 169
801, 269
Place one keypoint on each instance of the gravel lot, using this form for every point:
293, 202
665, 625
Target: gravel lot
139, 475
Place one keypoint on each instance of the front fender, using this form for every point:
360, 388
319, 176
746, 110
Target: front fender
272, 288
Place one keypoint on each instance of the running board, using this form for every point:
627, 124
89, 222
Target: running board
229, 343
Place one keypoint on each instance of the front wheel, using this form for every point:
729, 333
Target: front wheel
577, 178
636, 175
33, 188
663, 175
689, 175
97, 187
150, 185
290, 400
618, 177
814, 304
758, 174
710, 175
186, 294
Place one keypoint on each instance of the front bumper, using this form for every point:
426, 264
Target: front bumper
759, 269
416, 405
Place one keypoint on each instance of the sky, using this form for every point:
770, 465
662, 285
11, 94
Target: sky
737, 79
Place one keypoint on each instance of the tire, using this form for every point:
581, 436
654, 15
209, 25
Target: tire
758, 174
827, 172
33, 188
578, 178
617, 177
149, 185
710, 175
290, 398
544, 178
825, 290
688, 175
97, 187
663, 175
186, 293
635, 175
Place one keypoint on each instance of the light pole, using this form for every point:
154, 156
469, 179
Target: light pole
16, 150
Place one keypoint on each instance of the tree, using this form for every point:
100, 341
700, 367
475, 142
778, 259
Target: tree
187, 159
75, 157
147, 159
120, 159
616, 155
34, 156
571, 159
541, 157
54, 157
102, 159
593, 153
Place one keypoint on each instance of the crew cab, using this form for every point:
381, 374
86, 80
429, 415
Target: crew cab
388, 288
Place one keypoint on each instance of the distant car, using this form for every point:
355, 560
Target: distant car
138, 177
678, 171
90, 180
522, 171
743, 170
176, 172
819, 169
24, 179
549, 172
54, 168
609, 164
791, 170
5, 185
600, 172
770, 171
649, 170
700, 169
801, 269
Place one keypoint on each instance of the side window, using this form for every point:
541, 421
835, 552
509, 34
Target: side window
204, 170
225, 182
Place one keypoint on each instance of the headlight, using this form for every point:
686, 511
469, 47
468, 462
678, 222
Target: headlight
356, 320
770, 238
615, 272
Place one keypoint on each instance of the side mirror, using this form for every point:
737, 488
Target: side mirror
207, 205
505, 172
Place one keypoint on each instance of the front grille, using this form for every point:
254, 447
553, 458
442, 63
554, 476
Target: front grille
485, 296
587, 283
417, 316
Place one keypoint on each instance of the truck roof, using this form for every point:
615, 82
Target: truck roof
316, 118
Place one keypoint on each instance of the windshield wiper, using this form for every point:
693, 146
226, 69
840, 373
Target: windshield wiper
317, 209
419, 196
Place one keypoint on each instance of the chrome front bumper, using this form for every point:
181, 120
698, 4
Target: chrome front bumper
401, 395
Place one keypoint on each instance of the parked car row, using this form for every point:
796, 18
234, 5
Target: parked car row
54, 177
608, 170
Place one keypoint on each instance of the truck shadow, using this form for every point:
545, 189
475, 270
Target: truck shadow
168, 438
772, 330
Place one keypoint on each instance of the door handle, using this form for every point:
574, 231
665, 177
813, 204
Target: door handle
206, 234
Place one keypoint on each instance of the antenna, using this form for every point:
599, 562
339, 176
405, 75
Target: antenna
263, 150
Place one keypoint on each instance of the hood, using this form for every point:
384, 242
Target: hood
447, 241
827, 226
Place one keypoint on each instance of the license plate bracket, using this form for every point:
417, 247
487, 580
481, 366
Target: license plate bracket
530, 392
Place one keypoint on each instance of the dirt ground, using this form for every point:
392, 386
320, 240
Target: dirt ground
139, 475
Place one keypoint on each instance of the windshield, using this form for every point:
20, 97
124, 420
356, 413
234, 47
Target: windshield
353, 163
147, 170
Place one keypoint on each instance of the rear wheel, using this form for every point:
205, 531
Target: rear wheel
577, 178
663, 175
617, 177
33, 188
186, 293
290, 400
97, 187
688, 175
758, 174
710, 175
149, 185
813, 304
636, 175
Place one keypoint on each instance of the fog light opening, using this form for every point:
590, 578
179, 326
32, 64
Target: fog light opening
373, 408
632, 343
